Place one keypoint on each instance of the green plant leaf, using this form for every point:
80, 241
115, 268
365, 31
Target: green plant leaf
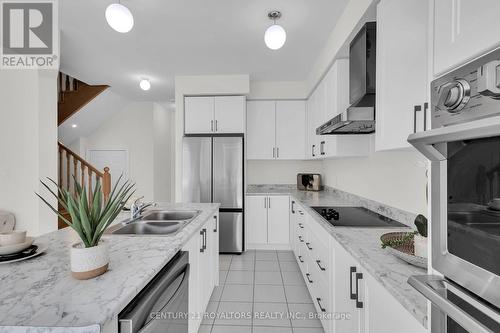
421, 224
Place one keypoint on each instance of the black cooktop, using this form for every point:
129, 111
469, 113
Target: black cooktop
355, 217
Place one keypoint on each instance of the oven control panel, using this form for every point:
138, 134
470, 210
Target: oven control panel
467, 93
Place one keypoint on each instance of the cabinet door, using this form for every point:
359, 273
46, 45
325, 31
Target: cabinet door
230, 114
346, 269
278, 217
256, 219
463, 30
400, 86
194, 305
261, 123
198, 115
386, 314
290, 130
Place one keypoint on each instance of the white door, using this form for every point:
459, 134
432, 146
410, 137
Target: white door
290, 130
278, 220
115, 160
463, 30
256, 219
397, 95
230, 114
199, 115
261, 130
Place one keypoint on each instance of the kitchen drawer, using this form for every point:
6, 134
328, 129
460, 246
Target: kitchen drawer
321, 234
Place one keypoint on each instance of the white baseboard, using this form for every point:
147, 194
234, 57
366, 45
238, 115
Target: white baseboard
280, 247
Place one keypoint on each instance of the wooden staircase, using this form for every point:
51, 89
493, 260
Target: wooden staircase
74, 95
72, 166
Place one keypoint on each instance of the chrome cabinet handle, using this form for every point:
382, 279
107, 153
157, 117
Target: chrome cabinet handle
277, 152
308, 276
211, 125
269, 204
308, 246
265, 202
300, 239
322, 148
318, 300
293, 207
353, 295
319, 265
216, 125
202, 234
215, 219
359, 304
274, 152
301, 226
313, 154
416, 108
426, 108
300, 258
301, 212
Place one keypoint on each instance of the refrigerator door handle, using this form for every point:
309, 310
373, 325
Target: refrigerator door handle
434, 289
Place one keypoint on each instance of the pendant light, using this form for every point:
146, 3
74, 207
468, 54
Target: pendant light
275, 36
119, 17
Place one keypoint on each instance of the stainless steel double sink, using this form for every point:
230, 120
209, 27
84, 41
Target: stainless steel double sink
155, 223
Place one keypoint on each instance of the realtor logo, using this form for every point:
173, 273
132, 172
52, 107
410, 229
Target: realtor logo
29, 34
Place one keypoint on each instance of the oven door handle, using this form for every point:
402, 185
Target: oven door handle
433, 288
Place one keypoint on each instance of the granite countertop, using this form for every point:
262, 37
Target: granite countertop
363, 243
40, 292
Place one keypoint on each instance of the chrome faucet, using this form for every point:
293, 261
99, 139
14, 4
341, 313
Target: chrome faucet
138, 207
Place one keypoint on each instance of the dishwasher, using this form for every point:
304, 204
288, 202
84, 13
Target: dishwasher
162, 306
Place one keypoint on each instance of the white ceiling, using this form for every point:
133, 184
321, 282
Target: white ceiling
191, 37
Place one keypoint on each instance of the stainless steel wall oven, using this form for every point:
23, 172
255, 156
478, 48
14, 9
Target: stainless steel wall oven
464, 149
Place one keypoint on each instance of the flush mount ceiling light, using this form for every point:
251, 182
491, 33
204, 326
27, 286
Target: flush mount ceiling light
275, 36
145, 84
119, 17
74, 125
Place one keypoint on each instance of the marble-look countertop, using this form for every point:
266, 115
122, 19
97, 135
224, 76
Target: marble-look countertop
40, 294
363, 243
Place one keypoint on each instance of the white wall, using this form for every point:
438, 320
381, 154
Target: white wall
28, 146
163, 129
395, 178
279, 172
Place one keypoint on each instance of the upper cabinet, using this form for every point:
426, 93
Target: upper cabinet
214, 115
463, 30
329, 99
402, 85
275, 130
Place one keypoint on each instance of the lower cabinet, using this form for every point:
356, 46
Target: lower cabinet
203, 250
346, 297
267, 221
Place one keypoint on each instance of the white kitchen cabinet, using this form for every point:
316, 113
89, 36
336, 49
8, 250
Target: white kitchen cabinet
256, 219
463, 30
261, 125
267, 222
402, 80
290, 130
214, 115
276, 130
230, 114
203, 251
198, 115
278, 220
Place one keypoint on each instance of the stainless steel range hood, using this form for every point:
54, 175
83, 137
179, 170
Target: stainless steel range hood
356, 120
360, 116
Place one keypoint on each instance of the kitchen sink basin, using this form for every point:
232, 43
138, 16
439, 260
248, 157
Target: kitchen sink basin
156, 222
149, 228
170, 215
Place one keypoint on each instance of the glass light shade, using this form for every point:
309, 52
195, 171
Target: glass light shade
275, 37
119, 18
145, 84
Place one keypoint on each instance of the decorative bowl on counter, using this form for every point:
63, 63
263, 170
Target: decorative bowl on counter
401, 245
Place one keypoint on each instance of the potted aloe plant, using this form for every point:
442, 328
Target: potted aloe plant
90, 216
420, 238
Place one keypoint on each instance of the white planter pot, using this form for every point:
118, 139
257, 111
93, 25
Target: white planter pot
420, 243
89, 262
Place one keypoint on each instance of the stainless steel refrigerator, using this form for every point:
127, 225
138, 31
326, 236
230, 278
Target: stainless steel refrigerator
213, 172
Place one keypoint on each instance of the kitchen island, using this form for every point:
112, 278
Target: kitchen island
40, 292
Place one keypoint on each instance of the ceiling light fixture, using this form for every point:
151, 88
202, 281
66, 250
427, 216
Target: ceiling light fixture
145, 84
275, 36
119, 17
74, 125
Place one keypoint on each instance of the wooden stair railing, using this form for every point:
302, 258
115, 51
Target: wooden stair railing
74, 95
72, 165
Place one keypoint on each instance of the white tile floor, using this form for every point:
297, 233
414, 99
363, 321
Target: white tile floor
257, 291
